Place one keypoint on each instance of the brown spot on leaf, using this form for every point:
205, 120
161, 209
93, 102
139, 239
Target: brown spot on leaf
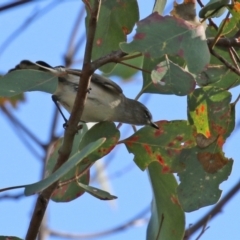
166, 169
132, 140
174, 200
148, 149
204, 142
125, 30
99, 42
211, 162
139, 36
181, 53
220, 141
160, 159
158, 132
208, 134
236, 7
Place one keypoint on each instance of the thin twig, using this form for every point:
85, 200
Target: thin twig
17, 123
27, 23
14, 4
71, 50
13, 197
132, 222
227, 64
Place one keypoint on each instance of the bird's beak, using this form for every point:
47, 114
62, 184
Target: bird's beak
154, 125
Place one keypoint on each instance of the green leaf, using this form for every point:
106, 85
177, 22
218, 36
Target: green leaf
205, 170
154, 39
66, 167
116, 20
214, 8
230, 25
163, 145
167, 220
218, 76
169, 78
20, 81
68, 188
98, 193
210, 111
107, 130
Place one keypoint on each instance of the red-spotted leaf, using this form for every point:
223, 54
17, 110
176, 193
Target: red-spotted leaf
235, 10
205, 170
157, 35
64, 168
69, 190
209, 110
116, 20
167, 219
163, 145
169, 78
107, 130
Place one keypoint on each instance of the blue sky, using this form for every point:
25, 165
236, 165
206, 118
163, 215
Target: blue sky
46, 39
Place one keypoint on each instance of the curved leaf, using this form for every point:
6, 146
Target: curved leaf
167, 220
67, 166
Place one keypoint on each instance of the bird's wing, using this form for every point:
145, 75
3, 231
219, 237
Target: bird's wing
99, 80
61, 71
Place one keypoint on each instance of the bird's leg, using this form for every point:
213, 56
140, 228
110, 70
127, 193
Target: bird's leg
55, 100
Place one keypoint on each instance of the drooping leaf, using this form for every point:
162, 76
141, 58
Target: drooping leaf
167, 220
65, 168
107, 130
154, 39
98, 193
69, 184
214, 8
205, 170
163, 145
116, 20
68, 188
20, 81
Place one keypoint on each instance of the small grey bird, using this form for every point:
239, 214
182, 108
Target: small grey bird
105, 101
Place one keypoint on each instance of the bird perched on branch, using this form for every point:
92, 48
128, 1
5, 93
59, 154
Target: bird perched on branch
105, 101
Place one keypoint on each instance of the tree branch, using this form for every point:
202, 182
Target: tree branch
65, 150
